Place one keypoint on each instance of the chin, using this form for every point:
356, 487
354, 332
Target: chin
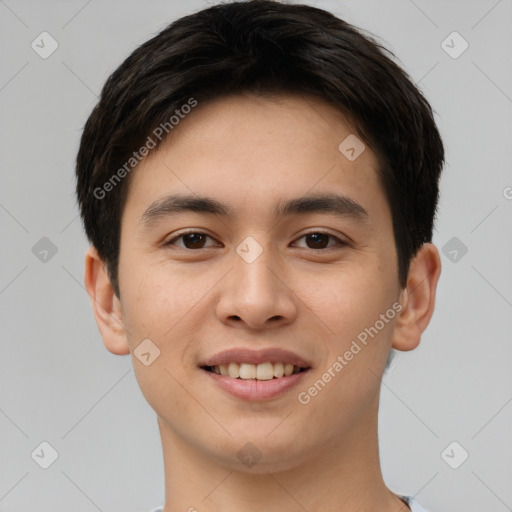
260, 453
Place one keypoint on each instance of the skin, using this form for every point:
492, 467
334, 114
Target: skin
251, 152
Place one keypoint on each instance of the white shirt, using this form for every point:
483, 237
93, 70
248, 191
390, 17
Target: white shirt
413, 504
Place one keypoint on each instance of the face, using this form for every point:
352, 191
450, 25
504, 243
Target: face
301, 283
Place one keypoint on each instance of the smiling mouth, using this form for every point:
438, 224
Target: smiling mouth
262, 371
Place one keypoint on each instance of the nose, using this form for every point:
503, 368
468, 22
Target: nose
256, 294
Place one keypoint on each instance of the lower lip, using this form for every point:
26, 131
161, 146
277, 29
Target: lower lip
256, 389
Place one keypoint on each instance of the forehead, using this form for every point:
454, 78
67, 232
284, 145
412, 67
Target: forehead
252, 153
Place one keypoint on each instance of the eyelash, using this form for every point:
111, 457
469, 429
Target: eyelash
340, 243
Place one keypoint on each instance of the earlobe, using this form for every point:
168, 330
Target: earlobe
417, 298
105, 304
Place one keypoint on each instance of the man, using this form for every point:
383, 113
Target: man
259, 184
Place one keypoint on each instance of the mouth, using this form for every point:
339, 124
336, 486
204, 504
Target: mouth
260, 372
259, 375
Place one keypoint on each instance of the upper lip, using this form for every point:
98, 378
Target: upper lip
246, 355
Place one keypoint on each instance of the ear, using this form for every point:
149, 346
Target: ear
106, 306
417, 298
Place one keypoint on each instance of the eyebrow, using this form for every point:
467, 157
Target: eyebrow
336, 204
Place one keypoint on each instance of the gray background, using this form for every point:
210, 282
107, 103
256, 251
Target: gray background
60, 385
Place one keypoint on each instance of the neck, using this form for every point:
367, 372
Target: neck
343, 476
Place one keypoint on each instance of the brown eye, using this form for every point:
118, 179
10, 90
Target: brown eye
319, 240
194, 240
191, 240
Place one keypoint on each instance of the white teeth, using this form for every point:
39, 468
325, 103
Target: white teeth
247, 371
265, 371
234, 370
288, 369
262, 371
278, 369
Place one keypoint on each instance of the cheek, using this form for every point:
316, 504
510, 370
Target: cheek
160, 385
347, 316
155, 307
165, 305
153, 301
347, 300
348, 381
